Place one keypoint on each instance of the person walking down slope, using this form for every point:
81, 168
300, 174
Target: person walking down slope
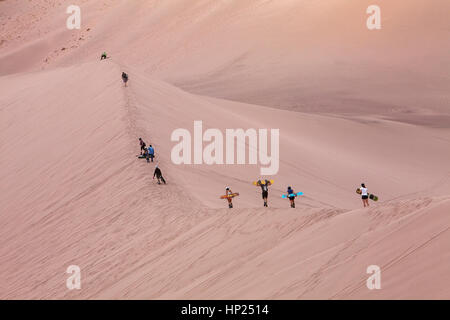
125, 78
291, 195
104, 56
364, 195
228, 193
142, 144
158, 175
265, 191
151, 153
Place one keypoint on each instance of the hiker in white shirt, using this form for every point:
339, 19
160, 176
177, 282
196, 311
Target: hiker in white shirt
364, 195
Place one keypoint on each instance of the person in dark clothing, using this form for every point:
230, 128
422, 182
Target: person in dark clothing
146, 155
291, 196
104, 56
125, 78
142, 143
264, 184
158, 175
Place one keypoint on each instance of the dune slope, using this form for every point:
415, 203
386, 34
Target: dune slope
73, 192
313, 56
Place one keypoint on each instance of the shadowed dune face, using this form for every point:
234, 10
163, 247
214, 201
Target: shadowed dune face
352, 106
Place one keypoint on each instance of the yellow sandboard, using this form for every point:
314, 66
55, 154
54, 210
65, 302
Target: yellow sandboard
263, 182
235, 194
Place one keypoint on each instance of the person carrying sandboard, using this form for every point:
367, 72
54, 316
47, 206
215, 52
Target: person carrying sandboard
229, 194
291, 195
264, 184
364, 195
158, 175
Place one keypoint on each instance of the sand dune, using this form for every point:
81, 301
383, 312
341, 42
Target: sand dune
74, 192
313, 56
84, 198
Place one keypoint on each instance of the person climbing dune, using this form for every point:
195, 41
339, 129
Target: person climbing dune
142, 144
265, 190
158, 175
151, 152
364, 195
228, 192
291, 196
125, 78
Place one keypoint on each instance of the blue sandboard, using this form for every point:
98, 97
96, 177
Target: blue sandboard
284, 196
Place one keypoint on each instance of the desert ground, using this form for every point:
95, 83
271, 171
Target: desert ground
352, 105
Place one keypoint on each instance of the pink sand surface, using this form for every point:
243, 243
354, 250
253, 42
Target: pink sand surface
352, 106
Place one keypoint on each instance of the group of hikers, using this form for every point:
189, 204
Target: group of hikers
146, 152
291, 195
149, 154
124, 75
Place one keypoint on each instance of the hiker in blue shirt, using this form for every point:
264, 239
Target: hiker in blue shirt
291, 196
151, 153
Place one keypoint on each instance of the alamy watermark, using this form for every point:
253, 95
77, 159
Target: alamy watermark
74, 20
74, 280
235, 140
374, 20
374, 281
